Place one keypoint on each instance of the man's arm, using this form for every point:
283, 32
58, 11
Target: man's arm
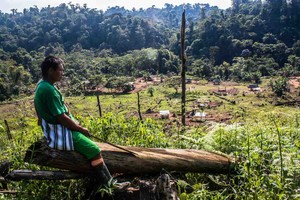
66, 121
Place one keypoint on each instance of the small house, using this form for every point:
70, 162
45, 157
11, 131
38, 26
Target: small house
127, 87
200, 114
189, 80
216, 81
254, 87
164, 114
222, 90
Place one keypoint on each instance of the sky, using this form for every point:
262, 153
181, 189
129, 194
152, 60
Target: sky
7, 5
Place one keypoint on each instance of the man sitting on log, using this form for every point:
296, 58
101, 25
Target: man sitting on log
60, 128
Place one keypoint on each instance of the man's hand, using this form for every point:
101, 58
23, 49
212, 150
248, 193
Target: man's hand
66, 121
85, 132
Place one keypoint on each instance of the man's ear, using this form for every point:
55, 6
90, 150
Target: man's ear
50, 71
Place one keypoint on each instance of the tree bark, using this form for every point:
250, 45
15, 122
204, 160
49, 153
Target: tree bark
18, 175
143, 160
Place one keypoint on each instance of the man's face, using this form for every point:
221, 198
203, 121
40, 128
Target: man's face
56, 75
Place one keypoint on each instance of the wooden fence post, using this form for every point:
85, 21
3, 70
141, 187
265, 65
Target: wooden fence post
99, 105
8, 130
139, 107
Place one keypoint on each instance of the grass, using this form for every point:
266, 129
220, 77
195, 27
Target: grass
264, 138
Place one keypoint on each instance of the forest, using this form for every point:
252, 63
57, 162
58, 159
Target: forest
243, 69
250, 40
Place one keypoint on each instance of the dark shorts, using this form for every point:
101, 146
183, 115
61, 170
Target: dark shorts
84, 145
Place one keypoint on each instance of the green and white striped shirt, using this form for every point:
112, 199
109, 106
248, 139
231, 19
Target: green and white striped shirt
49, 103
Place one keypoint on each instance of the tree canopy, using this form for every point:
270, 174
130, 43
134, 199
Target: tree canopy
251, 39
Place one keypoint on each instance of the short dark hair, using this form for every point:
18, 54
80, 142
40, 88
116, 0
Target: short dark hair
50, 62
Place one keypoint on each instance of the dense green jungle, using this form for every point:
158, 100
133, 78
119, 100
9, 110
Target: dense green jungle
243, 72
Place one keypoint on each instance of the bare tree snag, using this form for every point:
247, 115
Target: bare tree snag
144, 160
183, 70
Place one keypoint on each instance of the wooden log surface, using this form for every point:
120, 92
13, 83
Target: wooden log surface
18, 175
143, 160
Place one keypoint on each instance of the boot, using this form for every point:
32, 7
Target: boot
104, 177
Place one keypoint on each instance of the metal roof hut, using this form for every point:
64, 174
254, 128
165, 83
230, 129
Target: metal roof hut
254, 87
164, 114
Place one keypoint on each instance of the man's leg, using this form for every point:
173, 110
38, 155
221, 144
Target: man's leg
86, 147
97, 160
91, 151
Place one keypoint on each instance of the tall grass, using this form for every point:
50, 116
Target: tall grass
265, 144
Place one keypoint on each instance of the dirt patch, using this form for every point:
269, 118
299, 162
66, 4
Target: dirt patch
140, 85
230, 83
225, 83
207, 104
294, 84
209, 116
190, 120
224, 91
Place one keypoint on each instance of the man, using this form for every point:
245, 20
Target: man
59, 126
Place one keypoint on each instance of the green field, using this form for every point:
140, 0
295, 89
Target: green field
263, 138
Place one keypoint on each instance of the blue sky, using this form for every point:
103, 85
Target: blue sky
7, 5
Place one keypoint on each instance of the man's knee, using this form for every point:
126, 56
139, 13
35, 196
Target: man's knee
97, 161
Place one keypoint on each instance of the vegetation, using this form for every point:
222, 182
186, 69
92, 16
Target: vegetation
264, 140
252, 42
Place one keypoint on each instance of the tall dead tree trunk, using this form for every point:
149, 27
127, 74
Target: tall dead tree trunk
183, 70
141, 160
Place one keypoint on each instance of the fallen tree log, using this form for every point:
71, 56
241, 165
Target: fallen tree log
162, 187
143, 160
18, 175
288, 103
